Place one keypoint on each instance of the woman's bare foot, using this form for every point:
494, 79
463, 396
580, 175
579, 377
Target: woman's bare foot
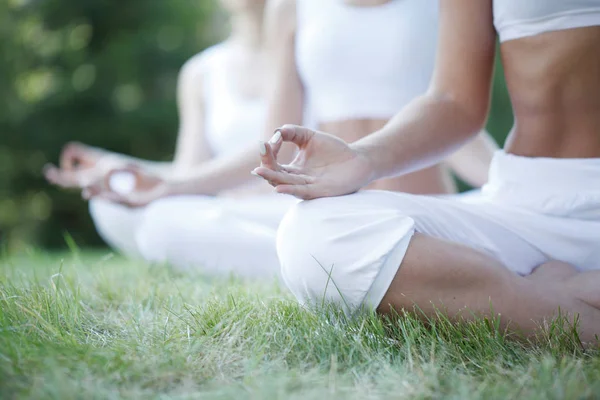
584, 286
553, 272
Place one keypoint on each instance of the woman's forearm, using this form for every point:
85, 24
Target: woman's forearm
421, 135
164, 169
216, 175
222, 173
111, 160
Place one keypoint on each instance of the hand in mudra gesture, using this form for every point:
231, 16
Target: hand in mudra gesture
130, 186
81, 166
324, 166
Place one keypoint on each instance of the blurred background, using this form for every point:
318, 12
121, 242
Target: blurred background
102, 72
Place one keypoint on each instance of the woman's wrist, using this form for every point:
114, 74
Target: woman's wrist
368, 155
173, 188
185, 186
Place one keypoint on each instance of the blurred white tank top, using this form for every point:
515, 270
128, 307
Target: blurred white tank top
232, 121
364, 62
515, 19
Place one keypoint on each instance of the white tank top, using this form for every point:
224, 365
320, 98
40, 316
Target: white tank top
515, 19
364, 62
232, 122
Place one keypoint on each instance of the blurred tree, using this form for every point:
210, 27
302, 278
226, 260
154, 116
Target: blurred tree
98, 71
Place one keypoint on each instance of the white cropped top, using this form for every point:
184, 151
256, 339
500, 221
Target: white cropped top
232, 122
364, 62
515, 19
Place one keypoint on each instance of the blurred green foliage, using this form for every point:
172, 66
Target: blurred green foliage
99, 71
102, 72
500, 119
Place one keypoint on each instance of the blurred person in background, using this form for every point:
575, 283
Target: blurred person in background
320, 56
222, 107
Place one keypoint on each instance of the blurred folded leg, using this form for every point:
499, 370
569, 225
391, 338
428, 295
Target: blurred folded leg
216, 235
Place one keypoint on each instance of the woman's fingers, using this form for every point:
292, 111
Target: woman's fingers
130, 200
292, 169
282, 178
275, 142
123, 180
69, 178
59, 177
299, 135
76, 155
51, 173
304, 192
69, 156
130, 186
297, 185
267, 157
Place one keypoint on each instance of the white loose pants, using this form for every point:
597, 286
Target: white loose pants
214, 234
348, 249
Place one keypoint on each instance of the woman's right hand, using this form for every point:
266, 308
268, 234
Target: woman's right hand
130, 186
325, 165
80, 166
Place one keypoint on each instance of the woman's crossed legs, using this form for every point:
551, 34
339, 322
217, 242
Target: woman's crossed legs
395, 251
440, 275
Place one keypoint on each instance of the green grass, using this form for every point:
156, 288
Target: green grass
95, 326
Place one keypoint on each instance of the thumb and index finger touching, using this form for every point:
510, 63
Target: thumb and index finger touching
120, 185
297, 135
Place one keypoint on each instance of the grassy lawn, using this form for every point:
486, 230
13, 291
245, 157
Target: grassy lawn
97, 326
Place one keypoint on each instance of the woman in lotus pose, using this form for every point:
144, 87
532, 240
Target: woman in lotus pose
222, 108
527, 246
239, 234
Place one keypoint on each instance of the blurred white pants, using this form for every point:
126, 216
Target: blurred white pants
216, 235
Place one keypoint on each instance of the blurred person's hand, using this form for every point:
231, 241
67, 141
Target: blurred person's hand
130, 186
81, 166
325, 165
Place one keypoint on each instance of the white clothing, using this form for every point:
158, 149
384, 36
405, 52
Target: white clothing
364, 62
216, 235
232, 121
116, 225
212, 233
335, 47
239, 235
515, 19
348, 249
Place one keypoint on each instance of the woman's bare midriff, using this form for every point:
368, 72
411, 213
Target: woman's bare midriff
554, 84
433, 180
